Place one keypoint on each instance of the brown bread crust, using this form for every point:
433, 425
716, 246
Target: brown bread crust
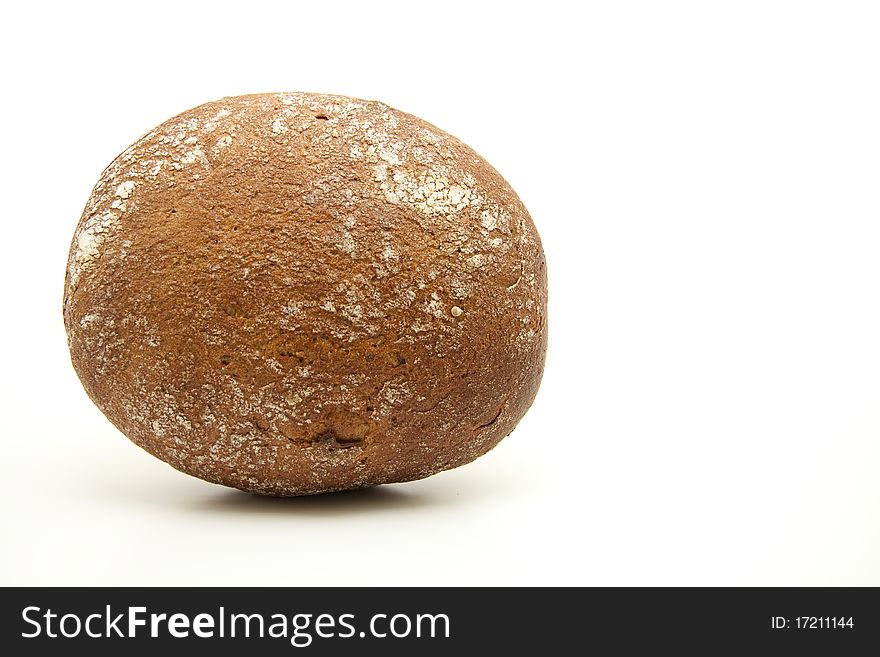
298, 293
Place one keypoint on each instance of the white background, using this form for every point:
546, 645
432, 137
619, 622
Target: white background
706, 180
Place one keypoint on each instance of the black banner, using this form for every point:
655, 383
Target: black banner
437, 621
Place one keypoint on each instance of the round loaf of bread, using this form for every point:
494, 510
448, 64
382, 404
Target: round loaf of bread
298, 293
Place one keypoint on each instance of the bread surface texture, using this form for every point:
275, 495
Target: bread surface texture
299, 293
